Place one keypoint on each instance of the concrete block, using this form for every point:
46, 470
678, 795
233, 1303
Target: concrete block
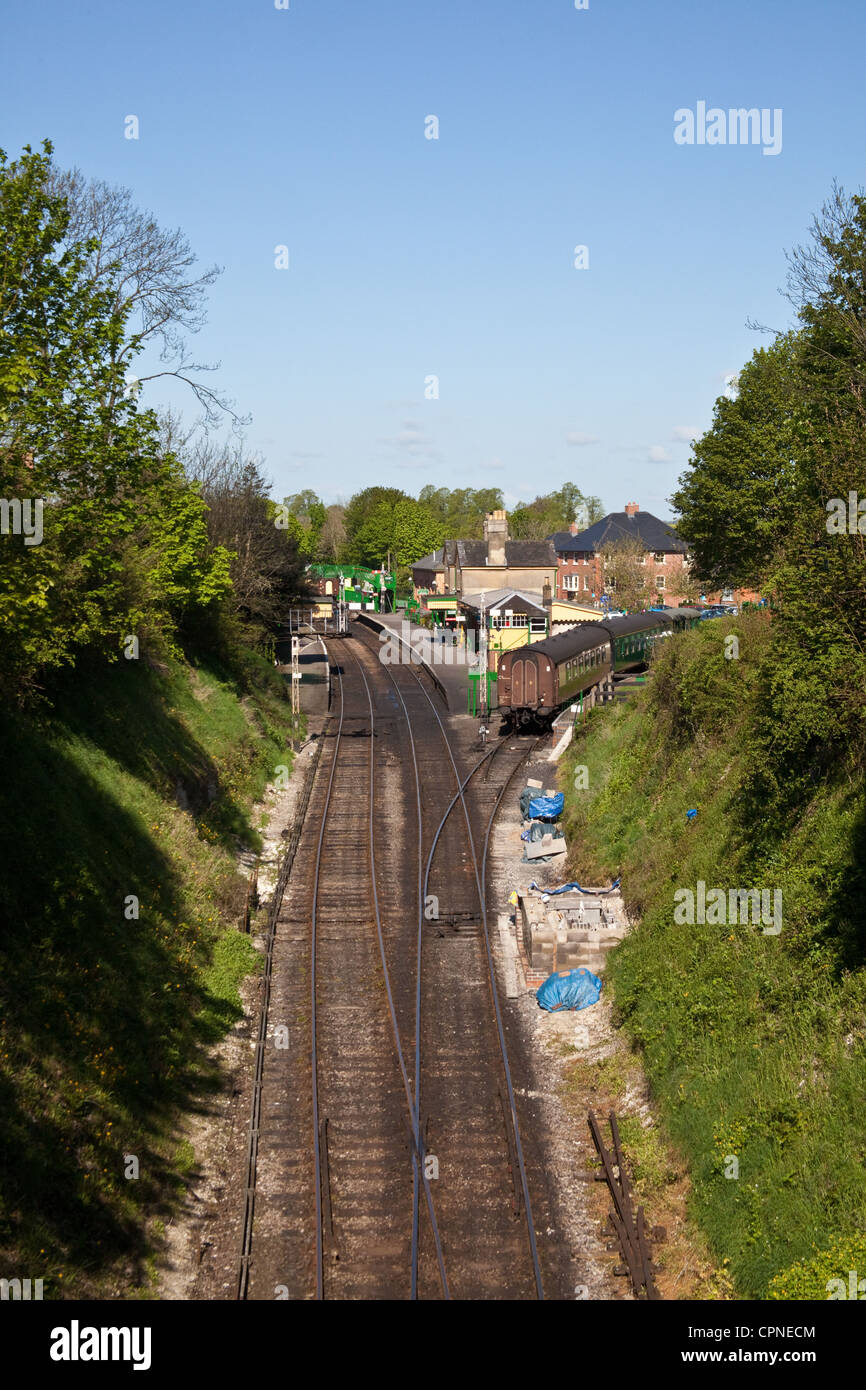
591, 918
540, 849
568, 960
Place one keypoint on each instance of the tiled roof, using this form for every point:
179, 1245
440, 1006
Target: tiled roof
473, 554
494, 598
430, 562
652, 533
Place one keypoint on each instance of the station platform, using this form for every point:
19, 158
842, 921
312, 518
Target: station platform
451, 675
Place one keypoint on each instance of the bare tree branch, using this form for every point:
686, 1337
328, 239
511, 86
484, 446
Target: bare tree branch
150, 273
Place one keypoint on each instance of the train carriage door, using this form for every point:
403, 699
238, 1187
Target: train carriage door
517, 667
530, 693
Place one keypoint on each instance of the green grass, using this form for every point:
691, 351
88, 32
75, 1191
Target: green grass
137, 785
754, 1045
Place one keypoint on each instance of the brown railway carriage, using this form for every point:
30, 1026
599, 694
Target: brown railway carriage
535, 681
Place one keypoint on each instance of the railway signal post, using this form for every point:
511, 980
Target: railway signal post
296, 689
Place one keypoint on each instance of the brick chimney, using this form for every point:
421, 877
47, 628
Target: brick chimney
631, 508
574, 528
496, 534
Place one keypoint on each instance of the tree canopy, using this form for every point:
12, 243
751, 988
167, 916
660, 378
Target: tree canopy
126, 545
781, 458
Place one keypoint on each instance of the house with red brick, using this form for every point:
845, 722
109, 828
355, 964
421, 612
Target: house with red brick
582, 560
581, 556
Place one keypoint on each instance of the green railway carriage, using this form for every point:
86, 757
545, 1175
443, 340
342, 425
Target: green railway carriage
534, 682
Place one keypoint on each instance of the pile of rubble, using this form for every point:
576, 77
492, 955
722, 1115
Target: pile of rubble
569, 931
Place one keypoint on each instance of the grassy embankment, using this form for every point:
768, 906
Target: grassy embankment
754, 1044
140, 784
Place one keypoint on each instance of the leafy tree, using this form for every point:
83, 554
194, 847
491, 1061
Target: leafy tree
754, 507
827, 286
374, 538
332, 538
308, 516
123, 550
735, 500
417, 532
461, 510
301, 504
553, 511
626, 577
380, 521
267, 559
363, 503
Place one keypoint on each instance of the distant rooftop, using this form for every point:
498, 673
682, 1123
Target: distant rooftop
494, 598
652, 533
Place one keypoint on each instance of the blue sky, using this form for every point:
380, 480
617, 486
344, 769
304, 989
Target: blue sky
454, 257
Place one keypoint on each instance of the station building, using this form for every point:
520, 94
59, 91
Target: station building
460, 568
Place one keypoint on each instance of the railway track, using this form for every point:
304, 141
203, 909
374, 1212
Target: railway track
387, 1159
627, 1225
469, 1087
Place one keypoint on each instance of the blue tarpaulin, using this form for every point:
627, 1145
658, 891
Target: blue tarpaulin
576, 888
546, 807
569, 989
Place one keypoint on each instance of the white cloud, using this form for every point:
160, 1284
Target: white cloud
411, 440
658, 454
684, 434
494, 464
578, 440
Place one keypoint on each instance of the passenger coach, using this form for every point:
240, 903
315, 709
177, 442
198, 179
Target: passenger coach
534, 682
